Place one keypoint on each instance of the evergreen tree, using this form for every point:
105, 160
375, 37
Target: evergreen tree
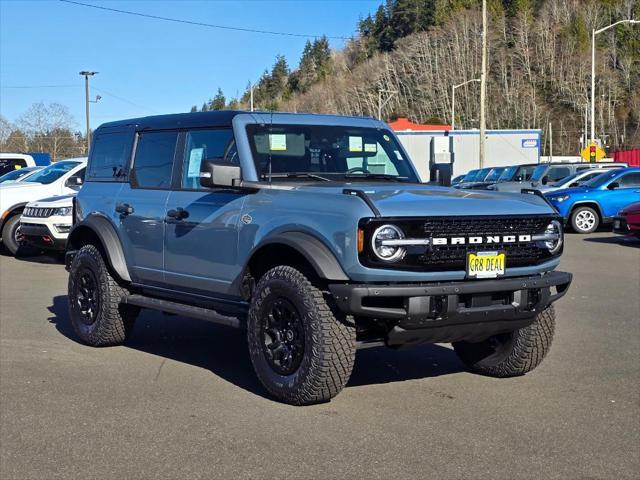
219, 102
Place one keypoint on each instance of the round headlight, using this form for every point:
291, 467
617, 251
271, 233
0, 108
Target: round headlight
382, 243
554, 228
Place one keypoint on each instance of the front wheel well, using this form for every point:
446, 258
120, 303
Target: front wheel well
15, 210
593, 205
84, 236
274, 255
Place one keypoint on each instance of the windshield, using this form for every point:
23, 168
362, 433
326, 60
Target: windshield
600, 180
569, 180
494, 175
51, 173
538, 173
15, 174
508, 174
335, 153
470, 177
482, 174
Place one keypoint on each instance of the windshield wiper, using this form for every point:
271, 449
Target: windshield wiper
298, 175
380, 176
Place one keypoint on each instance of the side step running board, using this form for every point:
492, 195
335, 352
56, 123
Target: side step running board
181, 309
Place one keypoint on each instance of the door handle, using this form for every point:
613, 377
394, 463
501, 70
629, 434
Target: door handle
124, 209
177, 214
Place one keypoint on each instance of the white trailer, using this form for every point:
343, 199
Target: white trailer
503, 147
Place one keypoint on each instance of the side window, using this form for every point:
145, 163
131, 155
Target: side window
153, 161
110, 156
558, 173
630, 180
205, 145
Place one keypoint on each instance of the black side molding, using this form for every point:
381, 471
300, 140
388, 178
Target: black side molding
365, 198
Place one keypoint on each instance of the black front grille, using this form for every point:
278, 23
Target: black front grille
453, 257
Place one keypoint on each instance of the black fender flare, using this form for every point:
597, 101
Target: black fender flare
316, 253
108, 237
9, 212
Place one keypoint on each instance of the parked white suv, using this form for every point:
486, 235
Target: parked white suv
61, 178
45, 224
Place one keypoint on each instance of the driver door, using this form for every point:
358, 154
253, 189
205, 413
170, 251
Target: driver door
201, 224
628, 191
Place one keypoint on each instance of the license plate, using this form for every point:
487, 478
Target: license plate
486, 264
616, 224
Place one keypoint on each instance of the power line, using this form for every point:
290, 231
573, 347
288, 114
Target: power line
201, 24
38, 86
123, 99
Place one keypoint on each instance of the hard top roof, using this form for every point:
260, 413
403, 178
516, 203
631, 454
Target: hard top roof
221, 118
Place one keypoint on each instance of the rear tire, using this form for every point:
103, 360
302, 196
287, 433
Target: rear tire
584, 220
511, 354
302, 350
97, 315
10, 240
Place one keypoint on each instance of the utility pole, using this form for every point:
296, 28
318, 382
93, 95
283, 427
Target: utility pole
550, 143
381, 104
585, 138
251, 95
483, 85
595, 32
86, 75
453, 99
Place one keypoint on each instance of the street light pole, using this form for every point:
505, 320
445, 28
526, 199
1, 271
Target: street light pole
86, 74
483, 84
453, 99
595, 32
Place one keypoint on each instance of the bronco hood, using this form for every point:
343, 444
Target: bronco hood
411, 200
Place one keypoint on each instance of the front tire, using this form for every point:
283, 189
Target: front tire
511, 354
584, 220
10, 234
301, 349
97, 315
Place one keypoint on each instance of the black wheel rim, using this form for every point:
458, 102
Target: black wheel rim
87, 296
282, 336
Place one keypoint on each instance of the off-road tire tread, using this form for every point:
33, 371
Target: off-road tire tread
115, 320
334, 338
530, 346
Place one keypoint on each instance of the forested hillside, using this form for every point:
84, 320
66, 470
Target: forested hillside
539, 68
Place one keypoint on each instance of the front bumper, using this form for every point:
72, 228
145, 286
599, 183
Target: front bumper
41, 236
452, 311
622, 226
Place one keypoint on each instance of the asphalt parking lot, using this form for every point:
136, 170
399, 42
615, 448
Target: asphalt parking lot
180, 400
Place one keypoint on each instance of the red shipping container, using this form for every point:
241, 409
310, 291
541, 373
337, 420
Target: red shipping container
630, 157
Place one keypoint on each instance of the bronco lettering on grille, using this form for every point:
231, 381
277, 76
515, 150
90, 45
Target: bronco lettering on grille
481, 240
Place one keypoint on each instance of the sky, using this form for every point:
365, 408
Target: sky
148, 66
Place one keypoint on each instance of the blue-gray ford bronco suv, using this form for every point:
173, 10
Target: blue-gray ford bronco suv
314, 234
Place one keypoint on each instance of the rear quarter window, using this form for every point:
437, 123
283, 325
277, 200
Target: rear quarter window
110, 154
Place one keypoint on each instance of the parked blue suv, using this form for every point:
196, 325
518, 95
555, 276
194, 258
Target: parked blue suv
313, 233
597, 201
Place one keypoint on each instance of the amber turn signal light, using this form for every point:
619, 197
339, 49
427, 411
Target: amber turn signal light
360, 240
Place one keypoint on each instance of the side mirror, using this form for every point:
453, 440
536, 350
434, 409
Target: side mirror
545, 179
218, 173
613, 185
74, 181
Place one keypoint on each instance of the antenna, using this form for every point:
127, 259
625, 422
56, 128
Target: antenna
270, 133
